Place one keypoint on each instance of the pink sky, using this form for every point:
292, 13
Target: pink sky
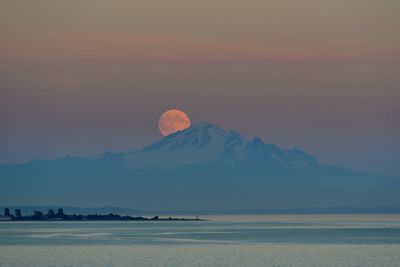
81, 77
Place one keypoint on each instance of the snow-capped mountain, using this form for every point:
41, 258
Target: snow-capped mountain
207, 143
202, 167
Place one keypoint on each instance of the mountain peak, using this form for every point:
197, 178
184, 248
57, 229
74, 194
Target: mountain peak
204, 127
207, 143
198, 135
257, 141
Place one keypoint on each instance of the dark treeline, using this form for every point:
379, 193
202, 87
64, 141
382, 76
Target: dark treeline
51, 215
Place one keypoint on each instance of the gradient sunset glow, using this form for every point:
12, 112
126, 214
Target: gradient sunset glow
79, 77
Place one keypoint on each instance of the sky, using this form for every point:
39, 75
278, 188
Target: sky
83, 77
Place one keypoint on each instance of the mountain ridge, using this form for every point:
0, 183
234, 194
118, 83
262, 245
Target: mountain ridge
255, 147
202, 167
205, 143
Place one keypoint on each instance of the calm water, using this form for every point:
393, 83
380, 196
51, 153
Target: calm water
297, 240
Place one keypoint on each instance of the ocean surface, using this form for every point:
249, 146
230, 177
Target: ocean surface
237, 241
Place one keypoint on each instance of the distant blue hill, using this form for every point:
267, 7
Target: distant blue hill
201, 168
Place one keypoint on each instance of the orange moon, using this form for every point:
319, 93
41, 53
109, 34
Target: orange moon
173, 120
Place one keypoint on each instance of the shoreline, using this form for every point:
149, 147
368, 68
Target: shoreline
61, 216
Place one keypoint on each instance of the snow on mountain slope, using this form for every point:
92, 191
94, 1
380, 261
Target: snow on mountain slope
202, 167
206, 143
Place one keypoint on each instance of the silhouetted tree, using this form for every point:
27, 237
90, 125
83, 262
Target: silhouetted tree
50, 213
7, 212
37, 214
60, 213
18, 214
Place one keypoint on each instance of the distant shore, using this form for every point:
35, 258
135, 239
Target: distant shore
26, 209
61, 216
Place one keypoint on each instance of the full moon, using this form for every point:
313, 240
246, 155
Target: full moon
173, 120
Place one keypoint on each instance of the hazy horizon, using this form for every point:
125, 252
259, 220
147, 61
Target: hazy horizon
79, 78
199, 133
